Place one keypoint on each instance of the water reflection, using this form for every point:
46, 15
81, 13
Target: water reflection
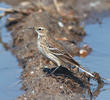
9, 70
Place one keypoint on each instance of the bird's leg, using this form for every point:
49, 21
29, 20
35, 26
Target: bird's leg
75, 69
72, 68
55, 70
68, 66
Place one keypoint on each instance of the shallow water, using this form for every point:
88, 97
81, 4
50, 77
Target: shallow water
9, 70
98, 37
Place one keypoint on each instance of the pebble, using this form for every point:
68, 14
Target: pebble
60, 24
33, 92
25, 98
32, 72
61, 87
70, 27
83, 53
25, 3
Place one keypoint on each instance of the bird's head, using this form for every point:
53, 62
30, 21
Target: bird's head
41, 31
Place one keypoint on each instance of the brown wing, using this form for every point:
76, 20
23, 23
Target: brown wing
60, 52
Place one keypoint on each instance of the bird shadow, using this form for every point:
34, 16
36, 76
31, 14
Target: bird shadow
62, 71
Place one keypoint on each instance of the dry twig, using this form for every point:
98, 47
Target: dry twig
13, 10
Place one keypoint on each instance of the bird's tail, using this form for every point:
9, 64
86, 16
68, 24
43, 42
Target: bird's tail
80, 67
73, 62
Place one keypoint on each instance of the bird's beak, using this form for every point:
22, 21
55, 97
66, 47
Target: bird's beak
30, 28
34, 31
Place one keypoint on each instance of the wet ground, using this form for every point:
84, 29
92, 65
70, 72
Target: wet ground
69, 31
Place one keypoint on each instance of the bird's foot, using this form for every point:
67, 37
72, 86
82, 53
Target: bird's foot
74, 68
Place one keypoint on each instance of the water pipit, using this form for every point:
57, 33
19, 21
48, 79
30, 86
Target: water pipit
54, 51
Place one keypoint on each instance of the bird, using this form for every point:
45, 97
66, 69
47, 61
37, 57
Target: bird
54, 51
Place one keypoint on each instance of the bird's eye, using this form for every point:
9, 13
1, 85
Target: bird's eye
39, 29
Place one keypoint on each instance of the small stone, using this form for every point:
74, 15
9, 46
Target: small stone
83, 53
61, 87
33, 92
60, 24
70, 27
32, 72
25, 3
40, 10
25, 98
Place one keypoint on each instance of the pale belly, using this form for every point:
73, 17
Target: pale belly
48, 55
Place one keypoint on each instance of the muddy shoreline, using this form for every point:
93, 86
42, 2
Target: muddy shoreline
67, 30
